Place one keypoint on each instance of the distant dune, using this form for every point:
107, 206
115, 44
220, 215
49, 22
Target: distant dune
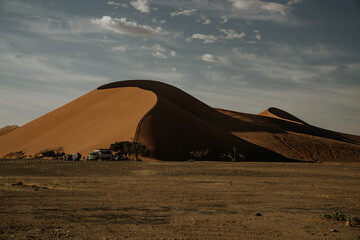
280, 114
171, 123
291, 137
7, 129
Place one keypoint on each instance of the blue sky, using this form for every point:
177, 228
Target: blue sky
302, 56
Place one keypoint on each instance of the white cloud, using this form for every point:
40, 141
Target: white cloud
141, 5
158, 21
122, 48
177, 35
206, 38
260, 5
158, 47
183, 12
173, 53
160, 55
274, 7
257, 34
204, 20
126, 27
116, 4
261, 10
223, 19
159, 51
209, 58
231, 34
293, 2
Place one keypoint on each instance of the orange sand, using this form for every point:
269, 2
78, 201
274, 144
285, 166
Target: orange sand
7, 129
92, 121
171, 123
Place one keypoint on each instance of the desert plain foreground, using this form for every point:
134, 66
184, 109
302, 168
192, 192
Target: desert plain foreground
177, 200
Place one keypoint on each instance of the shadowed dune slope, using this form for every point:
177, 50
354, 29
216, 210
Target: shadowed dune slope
92, 121
179, 123
276, 124
298, 141
172, 123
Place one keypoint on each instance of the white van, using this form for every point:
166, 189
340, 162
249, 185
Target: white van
100, 154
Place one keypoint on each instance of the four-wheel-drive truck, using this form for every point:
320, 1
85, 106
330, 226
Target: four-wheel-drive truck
100, 154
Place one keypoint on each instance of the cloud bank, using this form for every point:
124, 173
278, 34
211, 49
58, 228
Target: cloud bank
123, 26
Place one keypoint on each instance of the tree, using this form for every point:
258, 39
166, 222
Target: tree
56, 152
234, 155
126, 148
59, 151
122, 148
16, 155
199, 154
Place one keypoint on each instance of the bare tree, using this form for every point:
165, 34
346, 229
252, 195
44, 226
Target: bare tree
234, 156
199, 154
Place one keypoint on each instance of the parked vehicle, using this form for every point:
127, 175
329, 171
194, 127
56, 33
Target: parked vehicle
72, 157
100, 154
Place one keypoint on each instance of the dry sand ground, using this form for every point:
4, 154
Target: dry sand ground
177, 200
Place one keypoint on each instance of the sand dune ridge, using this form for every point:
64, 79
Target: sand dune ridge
172, 123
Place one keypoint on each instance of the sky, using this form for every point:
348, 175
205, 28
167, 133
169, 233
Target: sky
302, 56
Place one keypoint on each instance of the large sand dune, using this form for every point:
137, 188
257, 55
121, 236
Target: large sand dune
179, 124
92, 121
171, 123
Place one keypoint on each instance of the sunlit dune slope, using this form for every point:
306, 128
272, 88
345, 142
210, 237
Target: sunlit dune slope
7, 129
280, 114
92, 121
295, 139
172, 123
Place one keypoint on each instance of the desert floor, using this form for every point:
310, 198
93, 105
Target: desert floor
177, 200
